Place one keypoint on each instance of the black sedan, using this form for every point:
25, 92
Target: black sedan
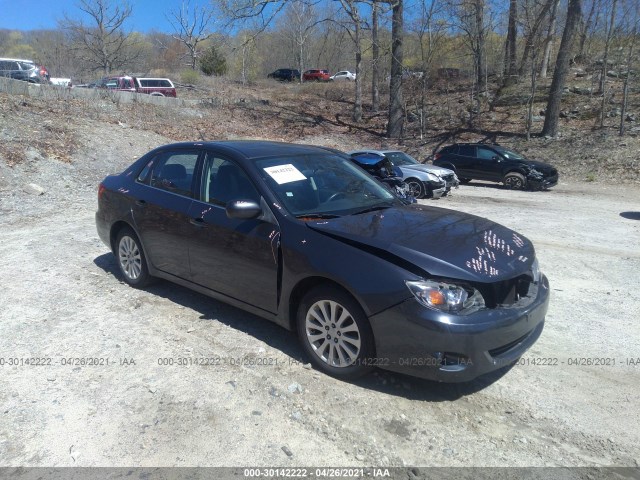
301, 236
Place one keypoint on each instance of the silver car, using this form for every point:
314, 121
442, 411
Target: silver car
424, 181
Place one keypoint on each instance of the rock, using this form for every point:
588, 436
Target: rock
295, 388
449, 452
612, 73
233, 383
273, 391
631, 117
297, 416
581, 90
256, 412
307, 366
191, 329
537, 118
580, 73
360, 457
287, 451
33, 189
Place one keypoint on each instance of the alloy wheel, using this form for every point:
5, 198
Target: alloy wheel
130, 258
332, 333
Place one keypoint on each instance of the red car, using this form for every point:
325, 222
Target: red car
317, 75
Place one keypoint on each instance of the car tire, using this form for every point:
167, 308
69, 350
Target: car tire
335, 333
416, 187
131, 259
515, 181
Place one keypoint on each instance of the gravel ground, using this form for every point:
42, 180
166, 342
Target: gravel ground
259, 404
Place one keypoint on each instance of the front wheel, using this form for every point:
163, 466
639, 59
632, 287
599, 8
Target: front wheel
132, 262
514, 181
416, 187
335, 333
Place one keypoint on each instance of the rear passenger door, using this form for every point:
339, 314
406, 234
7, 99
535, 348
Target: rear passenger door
465, 160
164, 193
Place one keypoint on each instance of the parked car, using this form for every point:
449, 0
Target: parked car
125, 83
301, 236
122, 83
285, 74
383, 170
160, 87
317, 75
480, 161
424, 181
25, 70
343, 75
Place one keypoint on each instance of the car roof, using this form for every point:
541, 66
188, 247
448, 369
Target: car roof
16, 60
255, 149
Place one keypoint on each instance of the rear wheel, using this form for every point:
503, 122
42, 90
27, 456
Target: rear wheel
132, 262
416, 187
514, 181
335, 333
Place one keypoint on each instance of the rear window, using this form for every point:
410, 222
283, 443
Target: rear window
155, 82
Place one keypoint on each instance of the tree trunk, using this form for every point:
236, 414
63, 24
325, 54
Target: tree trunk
548, 43
605, 58
574, 12
510, 72
396, 102
533, 34
357, 106
625, 89
585, 28
480, 53
375, 52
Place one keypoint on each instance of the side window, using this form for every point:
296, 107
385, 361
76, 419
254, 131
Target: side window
467, 151
144, 175
485, 153
224, 181
126, 83
174, 171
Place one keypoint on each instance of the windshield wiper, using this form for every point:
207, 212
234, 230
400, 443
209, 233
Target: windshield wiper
383, 206
317, 215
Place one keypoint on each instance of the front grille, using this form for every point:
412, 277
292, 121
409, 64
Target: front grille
506, 292
448, 178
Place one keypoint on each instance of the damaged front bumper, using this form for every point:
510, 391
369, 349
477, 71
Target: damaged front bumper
429, 344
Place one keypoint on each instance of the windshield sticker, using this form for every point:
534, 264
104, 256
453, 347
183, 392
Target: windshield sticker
285, 173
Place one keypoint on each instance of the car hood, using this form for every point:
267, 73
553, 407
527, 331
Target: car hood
438, 241
429, 168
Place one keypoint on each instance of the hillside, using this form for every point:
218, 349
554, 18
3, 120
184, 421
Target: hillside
321, 114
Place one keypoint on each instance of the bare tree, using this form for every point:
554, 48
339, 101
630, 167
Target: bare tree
548, 42
607, 44
101, 41
586, 26
511, 68
375, 58
297, 25
396, 102
353, 11
192, 26
534, 18
574, 12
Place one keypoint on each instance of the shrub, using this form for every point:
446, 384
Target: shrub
213, 62
190, 76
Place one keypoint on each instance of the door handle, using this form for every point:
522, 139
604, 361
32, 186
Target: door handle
198, 222
141, 203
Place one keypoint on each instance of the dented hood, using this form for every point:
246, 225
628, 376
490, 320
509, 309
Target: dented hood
442, 242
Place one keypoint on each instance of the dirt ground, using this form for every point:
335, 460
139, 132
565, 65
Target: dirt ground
106, 394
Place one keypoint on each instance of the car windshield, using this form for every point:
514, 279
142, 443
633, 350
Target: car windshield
317, 186
400, 158
510, 154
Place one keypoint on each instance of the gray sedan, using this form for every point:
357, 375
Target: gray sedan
424, 181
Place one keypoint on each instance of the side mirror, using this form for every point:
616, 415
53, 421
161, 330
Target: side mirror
243, 209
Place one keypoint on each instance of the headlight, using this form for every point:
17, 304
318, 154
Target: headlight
446, 297
433, 177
